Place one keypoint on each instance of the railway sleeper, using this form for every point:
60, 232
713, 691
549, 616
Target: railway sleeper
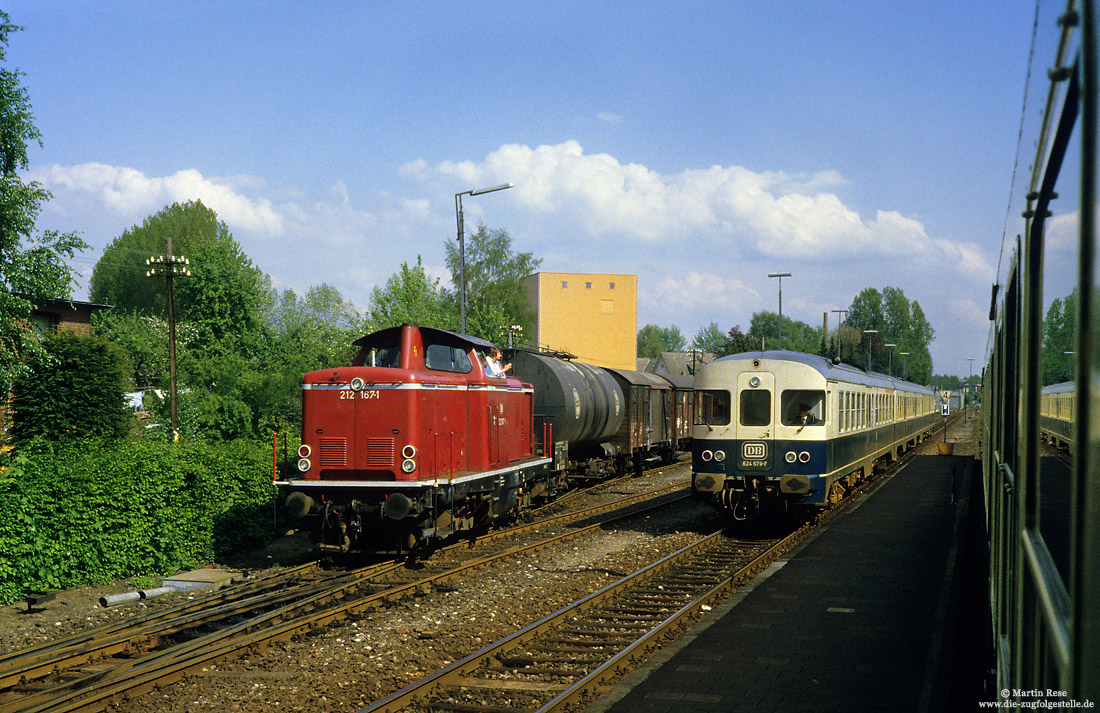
511, 684
468, 707
603, 642
516, 661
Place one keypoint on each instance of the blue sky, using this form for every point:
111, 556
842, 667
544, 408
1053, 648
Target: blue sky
699, 145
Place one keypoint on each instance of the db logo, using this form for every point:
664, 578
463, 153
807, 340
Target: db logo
754, 451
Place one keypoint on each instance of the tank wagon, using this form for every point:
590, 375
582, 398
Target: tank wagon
779, 430
416, 441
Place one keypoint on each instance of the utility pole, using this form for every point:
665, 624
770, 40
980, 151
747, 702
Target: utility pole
170, 266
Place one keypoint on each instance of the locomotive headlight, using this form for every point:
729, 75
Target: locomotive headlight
706, 456
719, 456
754, 382
303, 451
804, 457
791, 457
357, 384
408, 451
304, 465
408, 465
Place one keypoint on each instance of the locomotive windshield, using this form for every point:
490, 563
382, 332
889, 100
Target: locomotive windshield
756, 407
712, 408
803, 407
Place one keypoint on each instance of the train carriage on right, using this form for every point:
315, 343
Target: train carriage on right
1041, 384
782, 431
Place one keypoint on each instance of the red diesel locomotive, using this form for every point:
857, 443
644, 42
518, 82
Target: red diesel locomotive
414, 439
417, 440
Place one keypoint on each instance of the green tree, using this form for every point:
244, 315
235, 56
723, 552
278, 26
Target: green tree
709, 339
896, 320
410, 296
32, 267
797, 336
1060, 339
224, 299
119, 276
76, 390
737, 342
654, 339
495, 297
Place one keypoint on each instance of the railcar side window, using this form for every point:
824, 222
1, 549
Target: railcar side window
795, 402
756, 408
712, 408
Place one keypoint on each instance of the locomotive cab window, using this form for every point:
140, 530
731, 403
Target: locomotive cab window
712, 408
388, 357
756, 408
803, 407
440, 357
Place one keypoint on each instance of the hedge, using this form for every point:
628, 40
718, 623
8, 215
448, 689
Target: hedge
89, 512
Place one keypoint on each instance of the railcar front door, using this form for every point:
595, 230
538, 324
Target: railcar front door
754, 423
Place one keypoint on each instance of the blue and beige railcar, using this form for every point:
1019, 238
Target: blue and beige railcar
777, 430
1057, 414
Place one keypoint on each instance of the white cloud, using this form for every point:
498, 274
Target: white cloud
609, 117
129, 192
743, 212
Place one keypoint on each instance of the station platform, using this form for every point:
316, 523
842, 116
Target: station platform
882, 610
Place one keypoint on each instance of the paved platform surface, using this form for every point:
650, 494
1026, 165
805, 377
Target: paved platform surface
857, 619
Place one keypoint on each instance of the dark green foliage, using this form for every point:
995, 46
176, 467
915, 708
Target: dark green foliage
75, 390
1060, 339
495, 297
654, 339
119, 277
896, 320
32, 268
412, 297
94, 511
797, 336
223, 299
709, 339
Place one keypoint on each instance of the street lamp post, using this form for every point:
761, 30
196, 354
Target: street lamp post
890, 367
780, 275
869, 332
903, 373
462, 245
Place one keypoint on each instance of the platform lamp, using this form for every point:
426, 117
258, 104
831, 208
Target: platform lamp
890, 362
904, 375
462, 245
780, 275
869, 332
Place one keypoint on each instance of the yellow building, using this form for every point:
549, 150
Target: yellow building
592, 316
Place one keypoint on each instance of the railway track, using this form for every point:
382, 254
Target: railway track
568, 658
88, 670
571, 657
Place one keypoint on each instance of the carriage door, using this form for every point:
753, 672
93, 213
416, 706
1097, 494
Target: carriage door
754, 420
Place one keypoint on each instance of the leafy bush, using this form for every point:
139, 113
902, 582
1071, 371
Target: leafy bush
93, 511
75, 389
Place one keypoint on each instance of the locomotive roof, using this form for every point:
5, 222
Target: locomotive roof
830, 370
391, 335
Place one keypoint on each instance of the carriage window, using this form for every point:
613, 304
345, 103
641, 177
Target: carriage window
712, 408
803, 407
439, 357
756, 408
